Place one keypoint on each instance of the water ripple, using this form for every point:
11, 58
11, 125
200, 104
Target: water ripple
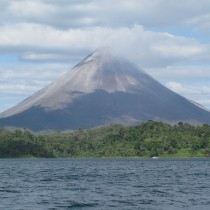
122, 184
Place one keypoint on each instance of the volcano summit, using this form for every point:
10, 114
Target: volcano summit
103, 88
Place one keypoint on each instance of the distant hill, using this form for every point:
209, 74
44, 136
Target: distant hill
102, 89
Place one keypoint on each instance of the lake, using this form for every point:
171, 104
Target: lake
91, 183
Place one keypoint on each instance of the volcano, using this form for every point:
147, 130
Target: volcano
102, 89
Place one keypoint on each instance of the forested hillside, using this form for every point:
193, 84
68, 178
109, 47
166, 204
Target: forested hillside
144, 140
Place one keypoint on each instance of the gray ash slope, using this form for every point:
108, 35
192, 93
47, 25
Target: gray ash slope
103, 88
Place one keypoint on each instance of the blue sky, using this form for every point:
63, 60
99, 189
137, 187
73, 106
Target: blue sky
42, 39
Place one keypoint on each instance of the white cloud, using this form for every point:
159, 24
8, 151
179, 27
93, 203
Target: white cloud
32, 71
55, 13
188, 73
186, 89
103, 13
205, 102
24, 80
197, 93
17, 89
66, 31
200, 22
176, 87
147, 48
17, 82
30, 9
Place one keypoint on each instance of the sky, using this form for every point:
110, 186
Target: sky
42, 39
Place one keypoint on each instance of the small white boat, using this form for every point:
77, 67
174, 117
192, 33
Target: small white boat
154, 157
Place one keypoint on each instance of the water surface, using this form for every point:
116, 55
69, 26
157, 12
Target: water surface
40, 184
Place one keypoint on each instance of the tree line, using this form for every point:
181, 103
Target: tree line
144, 140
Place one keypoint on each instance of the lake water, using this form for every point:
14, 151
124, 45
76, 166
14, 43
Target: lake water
34, 184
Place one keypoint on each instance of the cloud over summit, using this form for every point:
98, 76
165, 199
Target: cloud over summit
158, 35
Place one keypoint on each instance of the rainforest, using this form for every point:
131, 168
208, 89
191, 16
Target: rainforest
143, 140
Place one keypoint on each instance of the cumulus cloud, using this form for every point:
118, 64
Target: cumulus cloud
30, 9
50, 30
197, 93
54, 35
200, 22
17, 89
117, 13
205, 103
25, 79
147, 48
63, 14
187, 73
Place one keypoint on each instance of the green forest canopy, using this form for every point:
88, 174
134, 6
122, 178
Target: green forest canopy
115, 140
